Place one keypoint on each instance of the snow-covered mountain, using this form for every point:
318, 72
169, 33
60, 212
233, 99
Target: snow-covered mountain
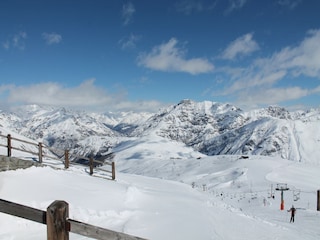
208, 127
80, 132
167, 187
215, 129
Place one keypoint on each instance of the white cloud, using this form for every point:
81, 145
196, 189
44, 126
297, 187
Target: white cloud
17, 41
6, 45
129, 42
128, 10
303, 59
52, 38
242, 46
50, 93
189, 6
291, 4
272, 96
235, 5
139, 106
253, 80
5, 88
169, 58
316, 90
256, 83
84, 96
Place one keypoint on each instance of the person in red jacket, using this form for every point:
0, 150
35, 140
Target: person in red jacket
293, 212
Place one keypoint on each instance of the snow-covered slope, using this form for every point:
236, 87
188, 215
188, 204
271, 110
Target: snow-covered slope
24, 144
122, 122
208, 127
62, 129
165, 188
215, 128
221, 197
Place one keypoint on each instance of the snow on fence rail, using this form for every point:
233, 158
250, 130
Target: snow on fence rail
58, 223
40, 152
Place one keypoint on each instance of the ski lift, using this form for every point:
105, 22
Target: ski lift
254, 196
282, 187
204, 187
296, 194
243, 196
271, 192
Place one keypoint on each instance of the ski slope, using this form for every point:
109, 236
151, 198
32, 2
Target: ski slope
164, 190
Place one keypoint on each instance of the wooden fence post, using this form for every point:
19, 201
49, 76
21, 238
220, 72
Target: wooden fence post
113, 171
318, 201
66, 159
9, 145
40, 152
57, 225
91, 166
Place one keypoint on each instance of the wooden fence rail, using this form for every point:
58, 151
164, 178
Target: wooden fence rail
58, 223
40, 154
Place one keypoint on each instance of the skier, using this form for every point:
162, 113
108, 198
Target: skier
293, 212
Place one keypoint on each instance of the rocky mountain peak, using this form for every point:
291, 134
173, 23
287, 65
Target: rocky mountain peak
208, 127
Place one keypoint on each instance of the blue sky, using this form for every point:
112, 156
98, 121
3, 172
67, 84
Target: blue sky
142, 55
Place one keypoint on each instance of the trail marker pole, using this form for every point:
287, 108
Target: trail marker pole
91, 165
318, 201
282, 187
9, 145
66, 159
40, 152
113, 170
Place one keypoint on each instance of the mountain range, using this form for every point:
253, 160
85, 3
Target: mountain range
210, 128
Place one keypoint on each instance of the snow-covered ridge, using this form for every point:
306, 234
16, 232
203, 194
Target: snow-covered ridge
208, 127
215, 128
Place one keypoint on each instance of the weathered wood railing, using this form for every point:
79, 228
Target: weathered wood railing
41, 153
58, 223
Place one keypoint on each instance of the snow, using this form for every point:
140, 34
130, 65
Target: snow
166, 190
209, 127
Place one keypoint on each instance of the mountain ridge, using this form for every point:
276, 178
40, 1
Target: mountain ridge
210, 128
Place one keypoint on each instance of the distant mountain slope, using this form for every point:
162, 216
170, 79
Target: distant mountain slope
78, 131
208, 127
215, 128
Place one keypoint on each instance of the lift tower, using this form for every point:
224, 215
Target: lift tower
282, 187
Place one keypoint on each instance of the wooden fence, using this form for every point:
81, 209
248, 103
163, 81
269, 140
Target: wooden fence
40, 153
58, 223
